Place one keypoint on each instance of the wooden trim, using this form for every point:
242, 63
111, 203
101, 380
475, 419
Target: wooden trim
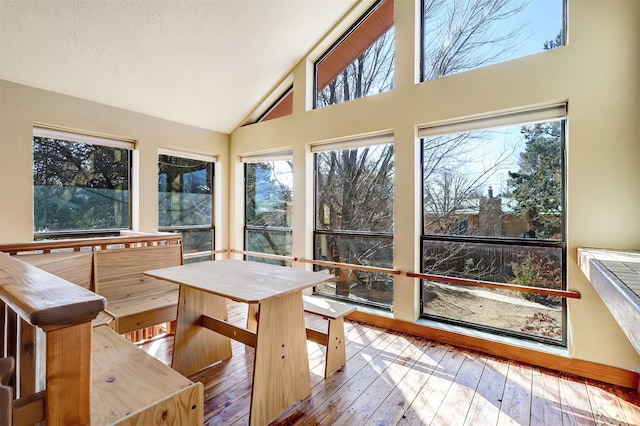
229, 330
591, 370
264, 255
102, 242
489, 284
29, 410
348, 266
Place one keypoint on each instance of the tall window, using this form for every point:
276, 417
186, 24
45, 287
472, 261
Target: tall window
185, 201
354, 189
361, 63
493, 211
268, 208
460, 35
81, 184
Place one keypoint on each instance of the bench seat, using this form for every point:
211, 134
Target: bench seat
333, 339
130, 387
143, 311
134, 300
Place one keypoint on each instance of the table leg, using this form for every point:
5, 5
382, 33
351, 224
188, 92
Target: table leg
281, 374
195, 347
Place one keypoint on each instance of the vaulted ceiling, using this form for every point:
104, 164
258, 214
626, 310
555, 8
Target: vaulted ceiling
206, 63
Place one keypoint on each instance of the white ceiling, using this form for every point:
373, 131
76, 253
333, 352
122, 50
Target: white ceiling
206, 63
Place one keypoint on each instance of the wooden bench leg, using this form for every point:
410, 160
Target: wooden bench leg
336, 352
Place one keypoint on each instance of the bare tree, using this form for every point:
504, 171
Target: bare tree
460, 35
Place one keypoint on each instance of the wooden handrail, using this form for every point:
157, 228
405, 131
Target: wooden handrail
79, 243
489, 284
264, 255
348, 266
43, 299
204, 253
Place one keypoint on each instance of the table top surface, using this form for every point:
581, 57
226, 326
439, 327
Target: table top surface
242, 281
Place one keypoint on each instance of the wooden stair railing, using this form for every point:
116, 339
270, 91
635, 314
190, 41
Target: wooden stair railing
35, 303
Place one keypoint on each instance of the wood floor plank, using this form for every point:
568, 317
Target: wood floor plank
395, 405
425, 406
516, 400
485, 407
546, 408
605, 404
370, 400
457, 401
329, 412
629, 400
576, 409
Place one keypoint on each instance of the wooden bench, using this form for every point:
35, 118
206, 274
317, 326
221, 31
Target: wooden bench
135, 300
333, 339
114, 267
130, 387
85, 375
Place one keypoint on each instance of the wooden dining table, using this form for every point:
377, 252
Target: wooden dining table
281, 374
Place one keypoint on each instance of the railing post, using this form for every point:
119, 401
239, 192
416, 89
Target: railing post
68, 391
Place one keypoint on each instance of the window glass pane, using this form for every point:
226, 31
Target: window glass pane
184, 192
497, 183
354, 222
362, 62
528, 313
493, 203
354, 189
268, 209
270, 242
461, 35
358, 286
197, 240
80, 186
269, 193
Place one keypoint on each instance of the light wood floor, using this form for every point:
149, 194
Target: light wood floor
396, 379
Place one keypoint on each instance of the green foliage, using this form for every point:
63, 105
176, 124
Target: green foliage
538, 270
184, 192
79, 186
537, 187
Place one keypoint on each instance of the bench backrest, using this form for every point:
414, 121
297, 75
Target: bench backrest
119, 273
75, 267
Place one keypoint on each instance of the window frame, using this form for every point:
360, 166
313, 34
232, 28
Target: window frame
89, 138
385, 138
542, 114
421, 56
371, 10
212, 159
269, 157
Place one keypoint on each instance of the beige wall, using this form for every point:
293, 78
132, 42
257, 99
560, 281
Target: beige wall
22, 106
597, 73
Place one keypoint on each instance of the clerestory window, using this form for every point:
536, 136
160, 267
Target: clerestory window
280, 108
461, 35
81, 184
362, 62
